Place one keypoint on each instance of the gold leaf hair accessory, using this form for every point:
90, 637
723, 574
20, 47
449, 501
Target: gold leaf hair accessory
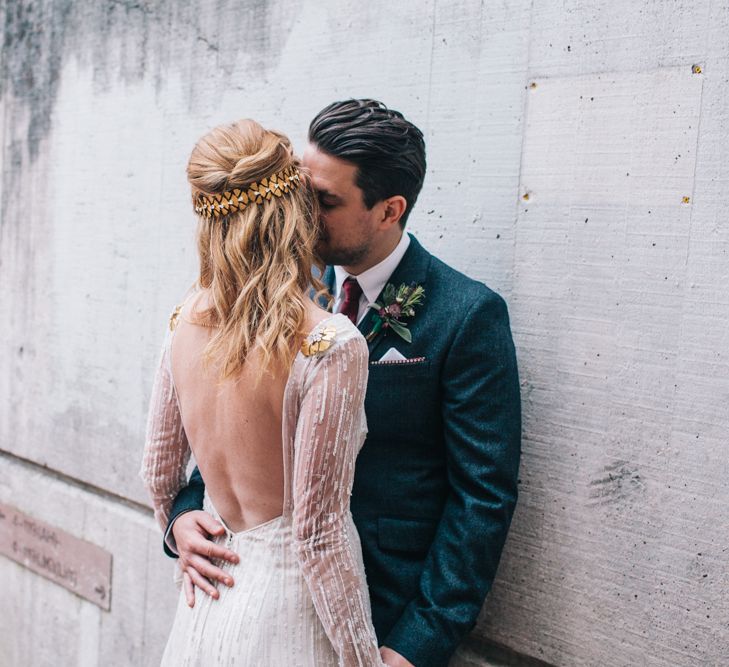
219, 205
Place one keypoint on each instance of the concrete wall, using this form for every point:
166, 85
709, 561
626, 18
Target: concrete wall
578, 164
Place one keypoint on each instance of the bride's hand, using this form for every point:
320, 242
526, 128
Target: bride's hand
192, 532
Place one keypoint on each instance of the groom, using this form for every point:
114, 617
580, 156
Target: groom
435, 483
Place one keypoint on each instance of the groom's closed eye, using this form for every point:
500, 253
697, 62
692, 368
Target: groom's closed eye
328, 200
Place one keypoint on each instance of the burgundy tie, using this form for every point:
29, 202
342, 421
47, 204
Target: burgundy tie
352, 293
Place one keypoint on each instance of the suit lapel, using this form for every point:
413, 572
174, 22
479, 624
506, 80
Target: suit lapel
413, 268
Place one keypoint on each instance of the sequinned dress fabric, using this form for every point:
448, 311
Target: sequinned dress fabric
300, 597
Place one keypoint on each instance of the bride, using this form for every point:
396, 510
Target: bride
267, 391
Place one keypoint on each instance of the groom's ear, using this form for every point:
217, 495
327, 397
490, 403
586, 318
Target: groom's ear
393, 209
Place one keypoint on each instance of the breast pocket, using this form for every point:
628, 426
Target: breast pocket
391, 371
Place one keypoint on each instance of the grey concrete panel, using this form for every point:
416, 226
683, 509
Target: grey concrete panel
49, 625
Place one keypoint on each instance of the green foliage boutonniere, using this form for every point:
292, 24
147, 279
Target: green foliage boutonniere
396, 304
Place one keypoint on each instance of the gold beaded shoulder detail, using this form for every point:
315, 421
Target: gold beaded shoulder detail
175, 317
318, 341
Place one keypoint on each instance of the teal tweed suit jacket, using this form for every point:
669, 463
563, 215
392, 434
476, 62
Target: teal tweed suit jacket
436, 479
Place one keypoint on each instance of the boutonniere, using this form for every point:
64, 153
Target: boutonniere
396, 305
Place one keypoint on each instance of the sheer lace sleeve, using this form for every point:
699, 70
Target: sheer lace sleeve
329, 434
166, 450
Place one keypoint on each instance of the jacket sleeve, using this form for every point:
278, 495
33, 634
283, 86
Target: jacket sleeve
329, 433
482, 433
190, 497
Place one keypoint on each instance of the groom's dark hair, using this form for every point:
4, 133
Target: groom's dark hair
388, 151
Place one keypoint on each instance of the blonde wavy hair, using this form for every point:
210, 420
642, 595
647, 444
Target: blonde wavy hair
255, 263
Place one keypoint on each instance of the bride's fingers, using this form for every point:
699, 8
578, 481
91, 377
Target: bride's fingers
202, 583
206, 569
189, 589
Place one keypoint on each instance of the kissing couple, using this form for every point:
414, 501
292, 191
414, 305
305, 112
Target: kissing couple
351, 401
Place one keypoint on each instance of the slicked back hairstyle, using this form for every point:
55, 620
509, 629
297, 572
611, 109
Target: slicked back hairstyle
387, 149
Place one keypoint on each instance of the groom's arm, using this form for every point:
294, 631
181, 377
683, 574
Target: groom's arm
482, 424
189, 498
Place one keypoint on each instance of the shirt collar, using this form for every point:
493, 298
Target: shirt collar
373, 280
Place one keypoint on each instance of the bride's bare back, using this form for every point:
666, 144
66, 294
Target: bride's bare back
285, 447
233, 426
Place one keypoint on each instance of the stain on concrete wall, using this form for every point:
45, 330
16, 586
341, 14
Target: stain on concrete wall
124, 41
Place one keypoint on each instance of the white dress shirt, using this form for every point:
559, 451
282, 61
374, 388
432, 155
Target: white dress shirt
372, 281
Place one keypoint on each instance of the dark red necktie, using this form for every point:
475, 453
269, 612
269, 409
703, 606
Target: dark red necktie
352, 293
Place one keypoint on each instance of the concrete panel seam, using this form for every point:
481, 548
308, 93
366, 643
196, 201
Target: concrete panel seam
76, 483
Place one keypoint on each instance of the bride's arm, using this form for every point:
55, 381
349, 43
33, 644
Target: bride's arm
329, 433
166, 450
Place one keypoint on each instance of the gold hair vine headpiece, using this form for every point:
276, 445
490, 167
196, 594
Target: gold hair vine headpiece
219, 205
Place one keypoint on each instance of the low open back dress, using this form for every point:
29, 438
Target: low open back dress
300, 596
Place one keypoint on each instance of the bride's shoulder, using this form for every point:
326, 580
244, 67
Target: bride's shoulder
330, 333
190, 301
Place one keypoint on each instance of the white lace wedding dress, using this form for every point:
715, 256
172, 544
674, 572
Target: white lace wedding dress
300, 597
